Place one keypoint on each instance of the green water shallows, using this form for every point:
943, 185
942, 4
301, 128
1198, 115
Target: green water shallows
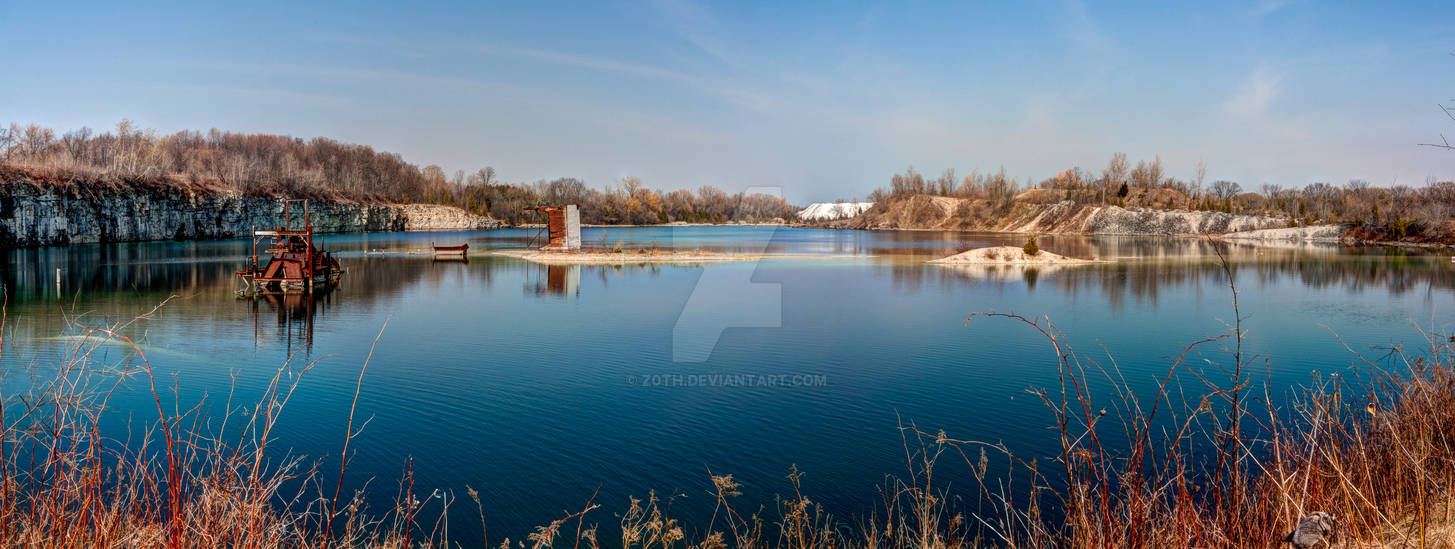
536, 384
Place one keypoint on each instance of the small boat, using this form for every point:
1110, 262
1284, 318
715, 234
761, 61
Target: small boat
450, 250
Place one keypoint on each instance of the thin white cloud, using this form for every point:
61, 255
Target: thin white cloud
337, 72
265, 94
694, 23
725, 88
1253, 100
1265, 7
1040, 114
1083, 30
589, 62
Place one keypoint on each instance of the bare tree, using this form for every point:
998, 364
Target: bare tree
1270, 194
74, 142
1114, 175
1225, 190
1139, 175
7, 140
1154, 172
1200, 177
485, 176
35, 141
946, 182
1449, 113
1444, 143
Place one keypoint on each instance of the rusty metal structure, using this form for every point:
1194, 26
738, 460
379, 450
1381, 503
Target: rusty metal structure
297, 265
563, 227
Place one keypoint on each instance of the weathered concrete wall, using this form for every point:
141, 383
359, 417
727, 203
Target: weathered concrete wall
42, 216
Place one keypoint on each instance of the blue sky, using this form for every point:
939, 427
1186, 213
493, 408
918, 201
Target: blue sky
823, 99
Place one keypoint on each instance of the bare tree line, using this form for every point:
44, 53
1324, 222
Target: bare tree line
627, 202
263, 164
251, 163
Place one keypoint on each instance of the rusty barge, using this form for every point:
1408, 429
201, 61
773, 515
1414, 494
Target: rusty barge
296, 265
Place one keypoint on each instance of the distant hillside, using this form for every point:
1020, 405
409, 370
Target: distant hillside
1155, 211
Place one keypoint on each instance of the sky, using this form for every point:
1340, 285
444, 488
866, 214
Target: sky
823, 100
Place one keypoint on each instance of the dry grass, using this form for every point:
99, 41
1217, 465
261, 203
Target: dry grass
1226, 468
64, 482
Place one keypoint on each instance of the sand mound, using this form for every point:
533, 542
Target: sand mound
1008, 255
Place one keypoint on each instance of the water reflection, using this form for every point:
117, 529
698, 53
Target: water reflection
558, 280
134, 277
1189, 263
294, 314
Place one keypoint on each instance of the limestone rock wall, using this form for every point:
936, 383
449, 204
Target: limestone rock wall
34, 215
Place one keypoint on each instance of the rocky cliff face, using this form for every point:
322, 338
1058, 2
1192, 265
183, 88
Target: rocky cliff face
36, 215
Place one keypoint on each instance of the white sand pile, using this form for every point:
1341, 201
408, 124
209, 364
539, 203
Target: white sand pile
1008, 255
830, 211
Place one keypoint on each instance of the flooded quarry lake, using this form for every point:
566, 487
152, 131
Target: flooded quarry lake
538, 384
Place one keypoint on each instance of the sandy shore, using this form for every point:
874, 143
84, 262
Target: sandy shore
1008, 255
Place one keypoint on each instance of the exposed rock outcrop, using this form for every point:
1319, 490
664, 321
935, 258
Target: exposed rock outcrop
39, 215
1031, 214
1314, 233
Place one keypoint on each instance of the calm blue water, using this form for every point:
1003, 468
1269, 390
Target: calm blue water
536, 385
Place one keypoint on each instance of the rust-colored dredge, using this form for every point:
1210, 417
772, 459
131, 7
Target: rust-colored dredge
297, 265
